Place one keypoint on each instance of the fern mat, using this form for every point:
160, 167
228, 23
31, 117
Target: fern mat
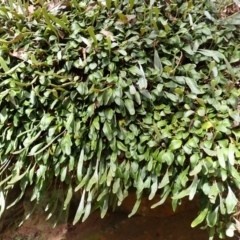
111, 95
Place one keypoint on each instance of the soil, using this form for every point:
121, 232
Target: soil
148, 224
115, 226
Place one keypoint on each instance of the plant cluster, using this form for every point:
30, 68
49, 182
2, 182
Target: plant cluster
105, 96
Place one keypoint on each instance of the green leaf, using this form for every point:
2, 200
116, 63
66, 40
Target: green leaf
47, 19
3, 115
214, 191
139, 185
208, 15
188, 49
4, 65
2, 202
231, 201
154, 188
231, 229
130, 106
116, 185
135, 207
66, 144
96, 123
121, 146
163, 199
199, 219
193, 85
171, 96
80, 165
85, 178
211, 153
175, 144
88, 206
107, 129
165, 180
93, 180
197, 169
18, 177
201, 111
233, 171
142, 82
68, 197
230, 69
157, 62
69, 124
231, 152
45, 147
45, 121
16, 39
102, 194
211, 53
191, 190
122, 17
59, 22
168, 157
135, 71
36, 148
107, 96
109, 44
92, 34
222, 205
123, 52
212, 217
80, 209
108, 3
92, 65
5, 180
63, 173
221, 157
201, 102
104, 207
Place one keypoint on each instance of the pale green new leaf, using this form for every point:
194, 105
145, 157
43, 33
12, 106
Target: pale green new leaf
80, 209
88, 206
2, 202
66, 144
80, 165
68, 197
165, 180
154, 188
135, 207
231, 152
231, 201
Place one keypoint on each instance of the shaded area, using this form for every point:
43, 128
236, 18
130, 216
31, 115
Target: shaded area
148, 224
118, 226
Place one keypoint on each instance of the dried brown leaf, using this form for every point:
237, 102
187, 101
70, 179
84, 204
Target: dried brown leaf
21, 54
108, 34
61, 34
90, 7
31, 9
56, 5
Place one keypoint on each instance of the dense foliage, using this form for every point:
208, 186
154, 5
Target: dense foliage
103, 96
